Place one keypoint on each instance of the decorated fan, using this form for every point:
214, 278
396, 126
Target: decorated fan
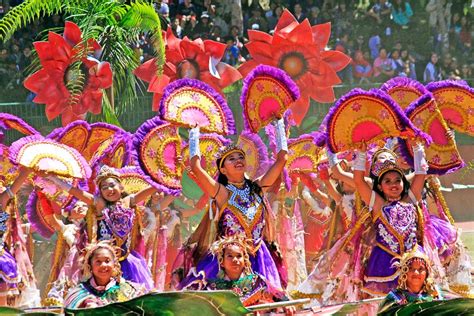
209, 145
36, 212
8, 121
404, 91
256, 155
455, 100
46, 155
367, 116
133, 180
442, 155
190, 103
8, 171
113, 152
303, 155
157, 149
266, 95
99, 132
51, 190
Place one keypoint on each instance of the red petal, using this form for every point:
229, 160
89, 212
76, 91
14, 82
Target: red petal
259, 36
104, 75
62, 51
301, 34
258, 49
53, 110
214, 48
210, 80
299, 108
247, 67
147, 70
156, 101
190, 50
323, 94
228, 74
44, 51
35, 82
158, 84
324, 76
172, 42
72, 33
335, 59
286, 19
68, 116
321, 33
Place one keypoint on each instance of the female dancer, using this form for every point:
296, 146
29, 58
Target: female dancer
114, 218
241, 208
102, 283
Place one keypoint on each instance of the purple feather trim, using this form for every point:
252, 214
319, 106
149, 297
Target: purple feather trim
111, 127
403, 82
209, 90
119, 138
286, 179
262, 151
5, 118
16, 147
277, 74
138, 138
382, 96
433, 86
59, 132
35, 219
319, 138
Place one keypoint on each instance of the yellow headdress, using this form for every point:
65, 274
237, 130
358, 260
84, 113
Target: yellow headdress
106, 172
219, 246
224, 152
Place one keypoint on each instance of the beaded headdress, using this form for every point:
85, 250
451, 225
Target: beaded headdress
224, 152
383, 150
106, 172
380, 168
89, 252
219, 246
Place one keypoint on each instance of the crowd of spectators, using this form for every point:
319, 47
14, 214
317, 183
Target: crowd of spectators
425, 40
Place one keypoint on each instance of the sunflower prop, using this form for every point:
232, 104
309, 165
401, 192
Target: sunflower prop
71, 79
266, 95
47, 155
404, 91
157, 147
455, 100
190, 103
299, 50
367, 116
195, 59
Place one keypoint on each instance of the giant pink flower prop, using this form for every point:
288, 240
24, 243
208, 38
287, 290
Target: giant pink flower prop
298, 49
188, 59
64, 59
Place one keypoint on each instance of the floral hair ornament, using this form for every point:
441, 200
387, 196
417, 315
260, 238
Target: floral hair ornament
219, 246
89, 253
380, 168
106, 172
226, 152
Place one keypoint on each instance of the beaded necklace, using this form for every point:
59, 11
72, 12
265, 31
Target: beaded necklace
242, 200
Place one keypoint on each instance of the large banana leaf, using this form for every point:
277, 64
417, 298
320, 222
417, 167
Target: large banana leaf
458, 306
173, 304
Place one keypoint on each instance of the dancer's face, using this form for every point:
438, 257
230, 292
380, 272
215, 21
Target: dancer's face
111, 190
102, 264
79, 211
233, 263
416, 276
391, 185
234, 165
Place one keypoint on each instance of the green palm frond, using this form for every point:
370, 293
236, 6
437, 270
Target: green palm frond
144, 17
25, 13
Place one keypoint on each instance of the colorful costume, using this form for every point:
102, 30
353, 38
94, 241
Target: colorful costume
89, 293
8, 268
402, 297
121, 224
244, 213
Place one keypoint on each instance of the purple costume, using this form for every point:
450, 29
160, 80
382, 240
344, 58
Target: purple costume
397, 231
244, 213
117, 223
8, 267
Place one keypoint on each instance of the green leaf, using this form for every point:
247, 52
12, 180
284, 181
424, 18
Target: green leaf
173, 303
459, 306
190, 189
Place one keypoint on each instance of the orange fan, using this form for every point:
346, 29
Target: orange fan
404, 91
455, 100
303, 155
367, 116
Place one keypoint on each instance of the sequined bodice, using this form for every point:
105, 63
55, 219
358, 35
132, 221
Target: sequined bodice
397, 224
117, 223
243, 214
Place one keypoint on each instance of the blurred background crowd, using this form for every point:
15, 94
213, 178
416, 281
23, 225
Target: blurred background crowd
426, 40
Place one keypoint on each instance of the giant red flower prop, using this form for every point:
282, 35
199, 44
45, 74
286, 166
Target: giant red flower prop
70, 81
298, 49
196, 59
